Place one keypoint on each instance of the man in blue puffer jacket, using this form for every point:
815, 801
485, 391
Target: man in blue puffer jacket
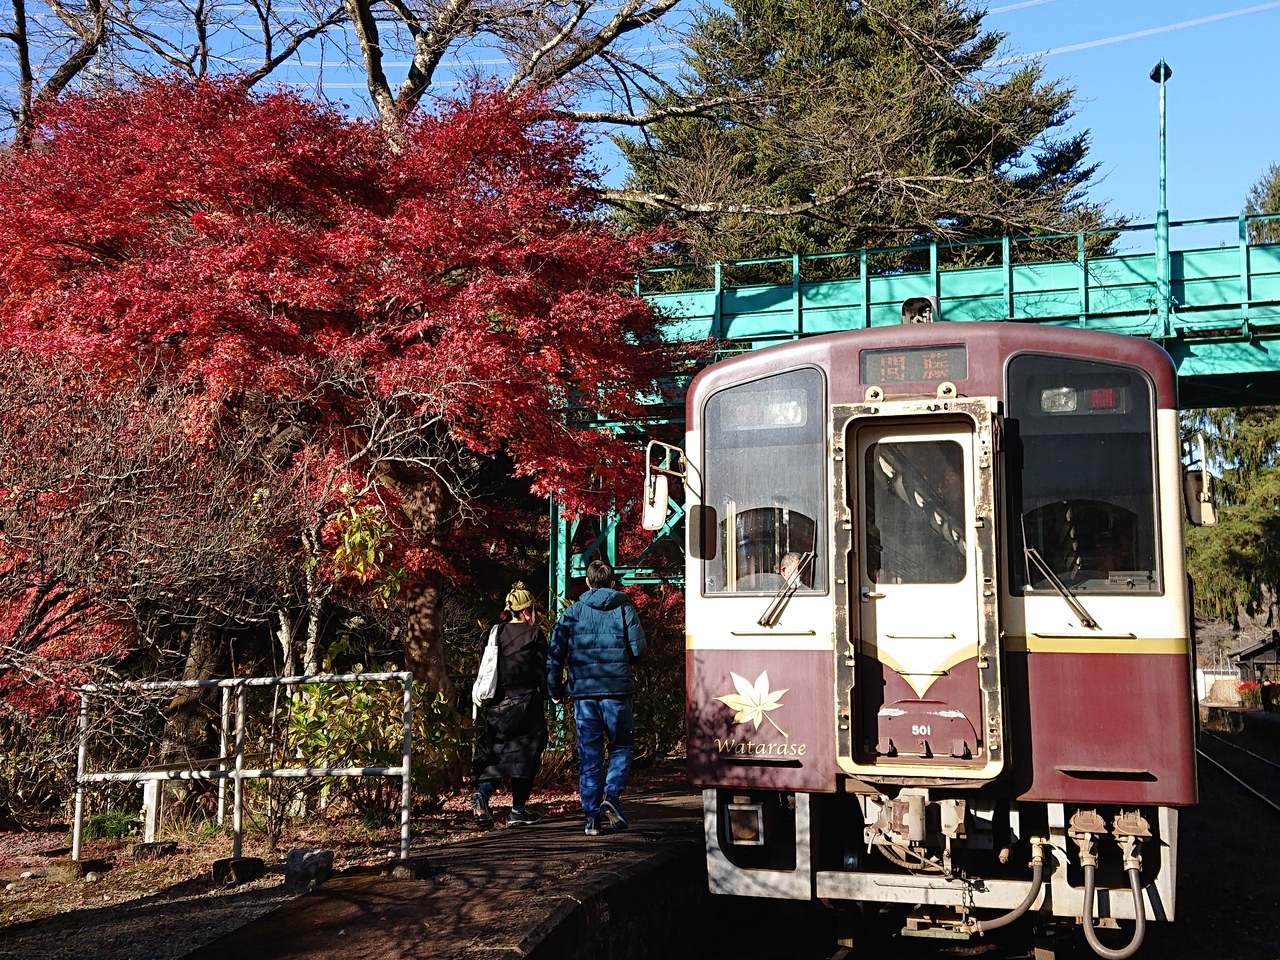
596, 639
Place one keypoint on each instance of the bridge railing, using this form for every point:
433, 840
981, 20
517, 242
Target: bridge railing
1228, 291
1223, 332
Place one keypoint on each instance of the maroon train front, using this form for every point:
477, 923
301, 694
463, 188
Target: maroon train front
938, 625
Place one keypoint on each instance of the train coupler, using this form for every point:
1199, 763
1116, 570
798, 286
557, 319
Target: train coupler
939, 923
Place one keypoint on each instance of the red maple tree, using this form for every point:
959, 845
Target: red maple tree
377, 319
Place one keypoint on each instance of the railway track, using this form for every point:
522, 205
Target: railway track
1258, 775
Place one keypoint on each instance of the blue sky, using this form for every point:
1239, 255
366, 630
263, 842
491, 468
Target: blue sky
1221, 120
1222, 131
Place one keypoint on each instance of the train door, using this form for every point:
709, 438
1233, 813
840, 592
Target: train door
920, 599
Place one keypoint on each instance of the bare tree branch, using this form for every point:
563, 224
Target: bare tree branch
562, 36
693, 108
881, 179
271, 61
63, 55
430, 46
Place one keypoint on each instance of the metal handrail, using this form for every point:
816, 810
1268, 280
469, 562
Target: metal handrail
238, 774
961, 243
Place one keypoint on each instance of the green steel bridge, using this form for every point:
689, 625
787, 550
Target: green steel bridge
1219, 321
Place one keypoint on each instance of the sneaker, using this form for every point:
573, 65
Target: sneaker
593, 828
480, 810
613, 814
522, 818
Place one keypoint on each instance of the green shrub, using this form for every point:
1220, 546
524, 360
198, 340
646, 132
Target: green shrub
345, 725
110, 825
375, 818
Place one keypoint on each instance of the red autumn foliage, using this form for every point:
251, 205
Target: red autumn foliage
49, 632
247, 240
373, 313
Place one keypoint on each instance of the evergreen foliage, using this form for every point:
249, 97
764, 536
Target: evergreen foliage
1264, 197
1236, 564
849, 124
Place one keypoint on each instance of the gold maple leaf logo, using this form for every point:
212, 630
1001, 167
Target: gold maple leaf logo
753, 702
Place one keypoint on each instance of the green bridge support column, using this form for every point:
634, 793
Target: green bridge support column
1083, 288
1246, 288
797, 310
864, 283
1006, 263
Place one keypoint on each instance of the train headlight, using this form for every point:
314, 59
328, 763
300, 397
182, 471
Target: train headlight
775, 409
785, 413
1059, 400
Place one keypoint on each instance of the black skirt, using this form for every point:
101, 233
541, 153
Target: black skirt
514, 736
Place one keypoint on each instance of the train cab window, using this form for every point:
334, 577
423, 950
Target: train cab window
1081, 473
765, 479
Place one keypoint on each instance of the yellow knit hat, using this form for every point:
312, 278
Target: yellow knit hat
519, 598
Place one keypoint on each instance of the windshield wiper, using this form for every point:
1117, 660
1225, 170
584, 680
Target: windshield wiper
1072, 600
773, 614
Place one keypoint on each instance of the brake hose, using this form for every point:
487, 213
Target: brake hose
1037, 880
1140, 916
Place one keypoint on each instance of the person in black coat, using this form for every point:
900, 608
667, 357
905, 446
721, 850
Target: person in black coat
515, 724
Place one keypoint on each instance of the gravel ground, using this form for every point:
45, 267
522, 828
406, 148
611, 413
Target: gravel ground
163, 909
1228, 896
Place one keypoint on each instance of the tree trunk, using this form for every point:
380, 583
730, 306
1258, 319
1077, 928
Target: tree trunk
192, 717
427, 505
311, 662
288, 648
316, 592
424, 635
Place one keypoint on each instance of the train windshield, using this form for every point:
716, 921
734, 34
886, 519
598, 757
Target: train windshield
1082, 476
765, 480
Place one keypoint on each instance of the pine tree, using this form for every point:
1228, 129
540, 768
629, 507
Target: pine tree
1264, 197
849, 124
1235, 565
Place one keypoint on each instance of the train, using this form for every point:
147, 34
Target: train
939, 630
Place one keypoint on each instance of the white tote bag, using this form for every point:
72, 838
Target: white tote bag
486, 684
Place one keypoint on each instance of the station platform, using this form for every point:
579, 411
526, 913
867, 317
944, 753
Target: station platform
543, 891
1233, 719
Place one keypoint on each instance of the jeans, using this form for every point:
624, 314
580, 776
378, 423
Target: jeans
597, 719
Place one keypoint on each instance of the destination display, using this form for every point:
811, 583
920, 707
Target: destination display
931, 364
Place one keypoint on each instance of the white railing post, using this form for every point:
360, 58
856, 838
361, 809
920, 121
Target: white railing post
236, 770
82, 754
222, 755
237, 817
406, 771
